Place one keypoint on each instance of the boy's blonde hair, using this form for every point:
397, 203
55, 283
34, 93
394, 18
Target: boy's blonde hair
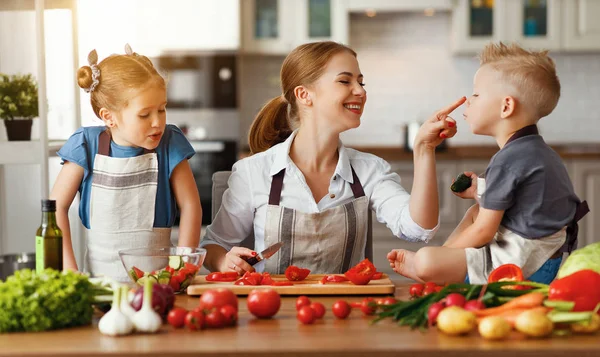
531, 73
119, 76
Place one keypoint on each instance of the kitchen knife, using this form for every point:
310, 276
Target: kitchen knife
265, 254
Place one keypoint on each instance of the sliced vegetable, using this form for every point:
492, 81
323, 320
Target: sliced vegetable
361, 273
175, 262
294, 273
333, 279
507, 272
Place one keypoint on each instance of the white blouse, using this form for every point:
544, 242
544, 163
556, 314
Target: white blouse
244, 204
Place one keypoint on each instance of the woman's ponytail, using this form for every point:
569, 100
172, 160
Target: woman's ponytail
270, 126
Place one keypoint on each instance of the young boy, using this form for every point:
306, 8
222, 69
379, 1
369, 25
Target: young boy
528, 213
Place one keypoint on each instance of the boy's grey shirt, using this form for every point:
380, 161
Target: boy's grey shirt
528, 180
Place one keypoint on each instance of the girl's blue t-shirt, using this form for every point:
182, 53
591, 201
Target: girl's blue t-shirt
81, 149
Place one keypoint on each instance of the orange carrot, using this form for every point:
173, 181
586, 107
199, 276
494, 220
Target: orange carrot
511, 315
526, 301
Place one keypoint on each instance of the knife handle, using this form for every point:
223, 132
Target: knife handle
252, 260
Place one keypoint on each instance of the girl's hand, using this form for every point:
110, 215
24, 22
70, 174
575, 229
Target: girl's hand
439, 127
471, 192
233, 260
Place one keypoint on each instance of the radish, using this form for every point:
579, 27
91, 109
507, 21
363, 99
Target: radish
434, 310
455, 299
473, 305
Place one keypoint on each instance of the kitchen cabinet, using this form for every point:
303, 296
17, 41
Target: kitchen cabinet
586, 181
277, 26
581, 28
186, 25
395, 5
563, 25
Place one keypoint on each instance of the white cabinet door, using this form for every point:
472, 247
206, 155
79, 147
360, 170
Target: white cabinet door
534, 24
268, 26
321, 20
581, 26
586, 175
395, 5
477, 22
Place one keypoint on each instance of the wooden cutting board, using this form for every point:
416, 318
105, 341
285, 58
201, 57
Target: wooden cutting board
310, 286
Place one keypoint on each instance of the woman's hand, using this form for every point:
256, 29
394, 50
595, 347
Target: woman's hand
471, 192
439, 127
233, 260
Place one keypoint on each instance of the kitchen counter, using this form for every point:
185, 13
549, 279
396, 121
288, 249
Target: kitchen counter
479, 152
284, 335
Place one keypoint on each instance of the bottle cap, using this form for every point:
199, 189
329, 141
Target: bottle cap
48, 205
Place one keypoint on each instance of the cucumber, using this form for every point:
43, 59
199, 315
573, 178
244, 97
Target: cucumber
461, 183
175, 262
143, 279
164, 277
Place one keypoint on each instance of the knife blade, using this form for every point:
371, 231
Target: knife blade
265, 254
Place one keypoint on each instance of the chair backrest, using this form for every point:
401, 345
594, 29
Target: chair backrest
220, 179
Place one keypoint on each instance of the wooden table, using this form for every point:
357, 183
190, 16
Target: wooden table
285, 336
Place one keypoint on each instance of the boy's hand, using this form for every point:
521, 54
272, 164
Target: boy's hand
439, 127
471, 192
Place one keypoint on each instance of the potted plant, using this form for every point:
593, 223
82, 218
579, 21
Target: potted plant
18, 105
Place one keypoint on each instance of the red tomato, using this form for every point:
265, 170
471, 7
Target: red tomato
215, 319
195, 320
217, 298
378, 275
294, 273
263, 303
302, 301
431, 285
319, 309
266, 279
368, 306
230, 314
341, 309
333, 279
176, 317
386, 301
361, 273
429, 290
416, 290
306, 315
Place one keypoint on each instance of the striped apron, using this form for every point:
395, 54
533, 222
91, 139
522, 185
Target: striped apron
325, 242
122, 203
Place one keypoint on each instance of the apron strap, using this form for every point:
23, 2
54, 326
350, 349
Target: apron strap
104, 144
277, 186
573, 228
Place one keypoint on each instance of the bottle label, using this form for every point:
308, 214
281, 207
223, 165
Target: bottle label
39, 254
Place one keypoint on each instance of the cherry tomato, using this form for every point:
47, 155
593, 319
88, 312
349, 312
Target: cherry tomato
319, 309
386, 301
217, 298
176, 317
215, 319
306, 315
368, 306
416, 290
263, 303
341, 309
195, 320
429, 290
302, 301
230, 314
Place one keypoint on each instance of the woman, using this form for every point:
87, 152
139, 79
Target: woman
304, 188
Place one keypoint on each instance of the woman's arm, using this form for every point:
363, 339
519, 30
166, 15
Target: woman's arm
64, 191
187, 198
424, 203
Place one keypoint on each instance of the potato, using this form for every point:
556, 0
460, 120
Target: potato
587, 326
455, 320
534, 324
494, 328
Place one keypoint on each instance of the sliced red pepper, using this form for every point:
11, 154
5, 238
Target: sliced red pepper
378, 275
294, 273
333, 279
361, 273
507, 272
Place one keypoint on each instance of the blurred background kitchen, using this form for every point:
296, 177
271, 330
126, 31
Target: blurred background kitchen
223, 57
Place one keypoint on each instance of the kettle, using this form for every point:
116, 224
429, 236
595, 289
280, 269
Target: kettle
410, 133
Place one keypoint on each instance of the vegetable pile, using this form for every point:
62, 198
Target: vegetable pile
49, 300
178, 274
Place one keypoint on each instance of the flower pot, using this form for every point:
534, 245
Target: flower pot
18, 129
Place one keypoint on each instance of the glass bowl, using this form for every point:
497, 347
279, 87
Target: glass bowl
174, 266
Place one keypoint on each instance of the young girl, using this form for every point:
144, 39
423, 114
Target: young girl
132, 173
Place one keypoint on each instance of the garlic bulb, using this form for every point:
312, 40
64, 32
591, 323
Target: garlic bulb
125, 305
114, 322
147, 320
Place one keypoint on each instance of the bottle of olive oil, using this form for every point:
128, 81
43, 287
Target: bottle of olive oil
48, 240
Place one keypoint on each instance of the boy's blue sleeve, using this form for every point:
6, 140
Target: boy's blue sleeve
75, 150
178, 148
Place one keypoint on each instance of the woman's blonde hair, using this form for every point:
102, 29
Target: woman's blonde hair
119, 75
531, 73
302, 67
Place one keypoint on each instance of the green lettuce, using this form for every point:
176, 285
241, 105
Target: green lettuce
587, 257
46, 301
